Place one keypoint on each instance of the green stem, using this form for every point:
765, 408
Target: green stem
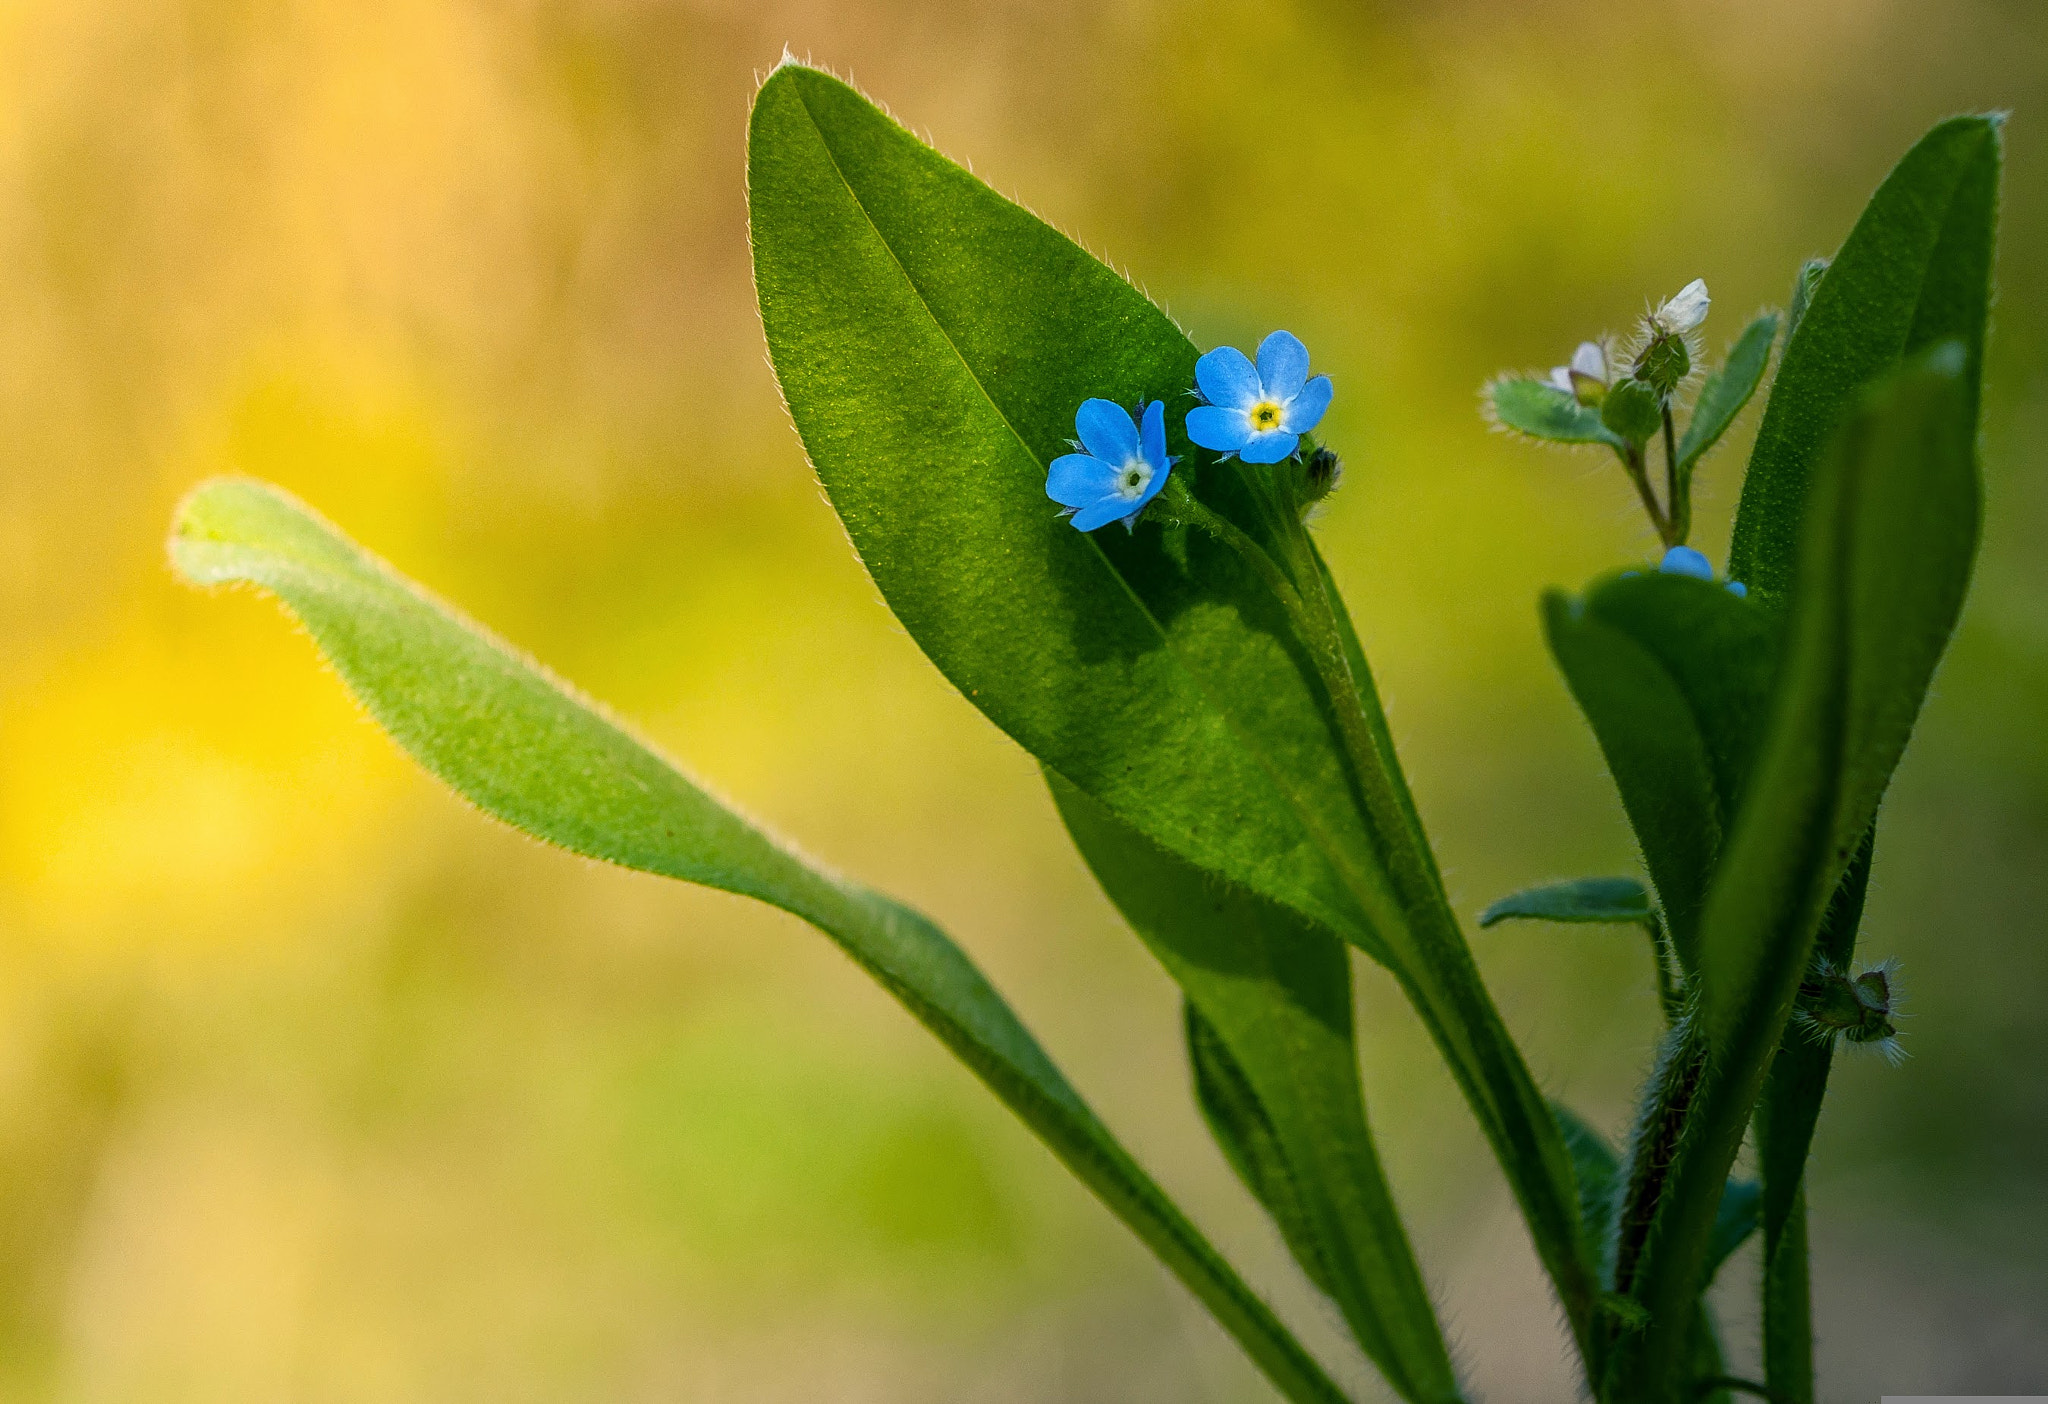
1638, 473
1677, 491
1440, 978
1788, 1310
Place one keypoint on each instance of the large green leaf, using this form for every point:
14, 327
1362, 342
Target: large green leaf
1890, 539
523, 747
933, 341
1277, 1073
1670, 672
1916, 270
1890, 544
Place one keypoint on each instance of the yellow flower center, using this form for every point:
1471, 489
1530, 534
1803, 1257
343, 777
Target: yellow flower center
1265, 415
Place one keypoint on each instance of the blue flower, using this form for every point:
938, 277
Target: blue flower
1683, 560
1258, 412
1120, 470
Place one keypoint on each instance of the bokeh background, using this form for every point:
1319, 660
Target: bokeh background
315, 1086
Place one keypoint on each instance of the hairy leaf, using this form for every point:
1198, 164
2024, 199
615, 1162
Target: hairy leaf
1670, 673
1727, 390
523, 747
1890, 539
1579, 900
1541, 410
933, 341
1916, 270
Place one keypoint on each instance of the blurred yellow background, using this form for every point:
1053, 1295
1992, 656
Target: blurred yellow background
314, 1086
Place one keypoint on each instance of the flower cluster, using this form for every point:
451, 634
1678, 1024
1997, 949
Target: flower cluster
1626, 396
1255, 411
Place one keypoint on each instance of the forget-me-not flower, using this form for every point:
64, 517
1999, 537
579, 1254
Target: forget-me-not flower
1258, 412
1683, 560
1121, 467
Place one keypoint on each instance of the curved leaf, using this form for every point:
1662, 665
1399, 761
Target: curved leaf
523, 747
933, 341
1916, 270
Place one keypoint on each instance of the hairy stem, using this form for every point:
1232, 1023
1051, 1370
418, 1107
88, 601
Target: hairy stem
1677, 491
1638, 473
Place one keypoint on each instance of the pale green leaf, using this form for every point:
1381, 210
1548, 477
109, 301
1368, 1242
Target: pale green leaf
1540, 410
523, 747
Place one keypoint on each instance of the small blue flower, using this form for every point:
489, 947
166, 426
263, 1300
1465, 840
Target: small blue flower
1683, 560
1258, 412
1120, 469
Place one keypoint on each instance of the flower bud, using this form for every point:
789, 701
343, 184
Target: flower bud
1858, 1010
1633, 409
1322, 471
1664, 363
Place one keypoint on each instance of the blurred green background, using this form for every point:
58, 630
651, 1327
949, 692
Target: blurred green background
315, 1086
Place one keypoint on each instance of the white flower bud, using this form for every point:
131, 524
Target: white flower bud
1685, 310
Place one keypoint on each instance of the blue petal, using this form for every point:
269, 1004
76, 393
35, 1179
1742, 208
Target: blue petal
1283, 365
1683, 560
1214, 427
1305, 411
1227, 379
1106, 430
1101, 514
1076, 480
1269, 447
1152, 488
1738, 589
1152, 437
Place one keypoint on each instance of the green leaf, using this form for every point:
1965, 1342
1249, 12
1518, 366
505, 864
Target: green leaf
523, 747
1276, 1074
1889, 549
1245, 1132
1890, 540
1916, 270
1540, 410
933, 341
1727, 390
1581, 899
1670, 672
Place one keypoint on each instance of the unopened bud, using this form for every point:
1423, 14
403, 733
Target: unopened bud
1322, 471
1859, 1010
1664, 363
